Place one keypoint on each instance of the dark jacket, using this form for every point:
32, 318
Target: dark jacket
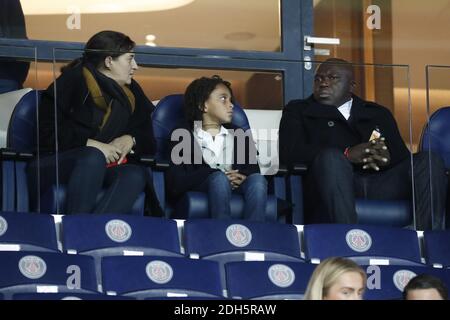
307, 127
12, 26
75, 121
185, 177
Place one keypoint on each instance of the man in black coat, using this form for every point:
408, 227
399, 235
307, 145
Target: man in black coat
353, 148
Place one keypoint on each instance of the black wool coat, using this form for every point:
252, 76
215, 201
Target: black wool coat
307, 127
184, 177
74, 112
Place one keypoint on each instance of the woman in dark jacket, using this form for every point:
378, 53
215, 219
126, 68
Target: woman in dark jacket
102, 117
214, 156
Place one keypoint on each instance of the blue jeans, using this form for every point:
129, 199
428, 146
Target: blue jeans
253, 189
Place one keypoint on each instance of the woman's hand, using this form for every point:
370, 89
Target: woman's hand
111, 152
124, 144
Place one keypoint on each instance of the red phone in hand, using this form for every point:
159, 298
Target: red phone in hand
113, 164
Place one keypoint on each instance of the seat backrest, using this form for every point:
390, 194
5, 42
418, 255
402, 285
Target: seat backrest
113, 234
169, 115
393, 213
66, 296
156, 276
27, 232
8, 102
117, 234
267, 279
22, 130
8, 85
437, 248
26, 271
225, 240
362, 243
388, 282
436, 135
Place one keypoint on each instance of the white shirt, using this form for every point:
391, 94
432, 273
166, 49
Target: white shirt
217, 152
346, 108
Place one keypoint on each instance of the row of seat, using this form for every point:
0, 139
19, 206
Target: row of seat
64, 296
43, 275
221, 240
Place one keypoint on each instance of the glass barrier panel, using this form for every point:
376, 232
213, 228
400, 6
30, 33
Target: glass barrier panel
19, 134
435, 139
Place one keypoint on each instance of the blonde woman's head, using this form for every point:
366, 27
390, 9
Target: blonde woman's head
336, 279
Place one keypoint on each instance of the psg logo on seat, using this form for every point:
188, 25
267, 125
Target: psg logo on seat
3, 226
32, 267
281, 275
159, 272
239, 235
358, 240
118, 230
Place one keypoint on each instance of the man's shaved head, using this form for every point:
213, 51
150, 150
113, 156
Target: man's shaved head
334, 82
342, 64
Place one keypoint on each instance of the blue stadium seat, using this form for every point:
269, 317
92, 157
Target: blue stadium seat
33, 272
27, 232
21, 144
436, 138
364, 244
111, 234
13, 171
22, 139
267, 279
231, 240
169, 115
66, 296
116, 234
388, 282
437, 248
436, 135
155, 276
7, 85
239, 240
184, 298
7, 196
394, 213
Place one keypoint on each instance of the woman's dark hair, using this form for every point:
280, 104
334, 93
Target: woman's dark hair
426, 281
101, 45
196, 95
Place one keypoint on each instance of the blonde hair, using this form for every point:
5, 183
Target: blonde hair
326, 274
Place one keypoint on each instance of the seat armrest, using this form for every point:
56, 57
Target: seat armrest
152, 162
7, 154
148, 160
299, 169
10, 154
282, 171
25, 155
161, 165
